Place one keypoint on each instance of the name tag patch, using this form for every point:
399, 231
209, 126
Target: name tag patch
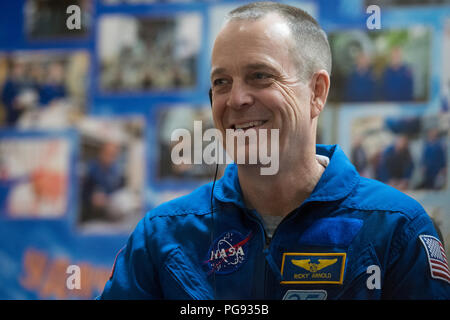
313, 268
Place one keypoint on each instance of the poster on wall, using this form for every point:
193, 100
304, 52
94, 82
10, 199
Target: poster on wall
42, 89
139, 53
386, 65
406, 152
111, 174
47, 20
36, 169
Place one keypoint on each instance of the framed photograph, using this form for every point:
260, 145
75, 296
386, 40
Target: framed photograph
386, 65
47, 20
407, 150
139, 53
42, 89
111, 173
36, 174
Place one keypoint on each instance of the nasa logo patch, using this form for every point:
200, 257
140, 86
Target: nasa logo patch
227, 252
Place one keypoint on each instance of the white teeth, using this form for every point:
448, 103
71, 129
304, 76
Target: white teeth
249, 124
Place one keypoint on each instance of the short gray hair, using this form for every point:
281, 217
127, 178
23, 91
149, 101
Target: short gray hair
312, 50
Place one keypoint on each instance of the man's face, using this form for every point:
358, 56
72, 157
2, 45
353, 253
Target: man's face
255, 82
109, 153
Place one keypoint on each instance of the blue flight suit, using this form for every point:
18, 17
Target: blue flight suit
395, 164
434, 159
99, 178
12, 89
361, 86
397, 84
49, 92
352, 238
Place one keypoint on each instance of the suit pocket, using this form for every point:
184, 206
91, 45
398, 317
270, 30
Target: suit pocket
192, 284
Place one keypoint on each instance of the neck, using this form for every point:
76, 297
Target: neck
280, 194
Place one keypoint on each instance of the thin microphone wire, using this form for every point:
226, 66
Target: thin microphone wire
212, 207
212, 226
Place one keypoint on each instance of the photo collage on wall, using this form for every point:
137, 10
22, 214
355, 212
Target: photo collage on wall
87, 117
392, 94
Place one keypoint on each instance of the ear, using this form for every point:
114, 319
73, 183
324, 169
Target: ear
319, 85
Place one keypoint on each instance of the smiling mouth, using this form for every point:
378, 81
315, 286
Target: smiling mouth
248, 125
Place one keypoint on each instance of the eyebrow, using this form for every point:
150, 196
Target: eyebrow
255, 66
251, 66
217, 71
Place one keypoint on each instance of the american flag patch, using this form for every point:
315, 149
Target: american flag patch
436, 257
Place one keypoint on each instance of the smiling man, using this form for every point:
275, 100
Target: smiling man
258, 77
313, 230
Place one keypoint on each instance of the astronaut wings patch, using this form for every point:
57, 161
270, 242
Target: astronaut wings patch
436, 258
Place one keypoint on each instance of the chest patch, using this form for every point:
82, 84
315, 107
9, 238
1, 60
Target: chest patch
227, 253
313, 268
437, 259
331, 232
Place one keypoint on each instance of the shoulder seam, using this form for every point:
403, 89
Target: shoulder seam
177, 213
408, 232
414, 210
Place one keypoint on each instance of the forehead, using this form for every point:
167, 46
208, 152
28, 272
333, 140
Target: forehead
267, 39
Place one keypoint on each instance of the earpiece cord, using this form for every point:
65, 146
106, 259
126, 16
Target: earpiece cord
212, 207
212, 226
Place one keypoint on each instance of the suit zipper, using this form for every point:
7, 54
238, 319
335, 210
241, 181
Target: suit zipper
268, 240
266, 266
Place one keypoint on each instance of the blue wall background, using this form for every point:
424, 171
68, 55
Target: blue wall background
35, 252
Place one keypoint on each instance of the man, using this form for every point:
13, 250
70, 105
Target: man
337, 235
54, 87
397, 164
361, 82
17, 94
104, 176
397, 82
433, 161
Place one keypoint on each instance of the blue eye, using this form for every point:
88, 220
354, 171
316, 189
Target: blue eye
261, 75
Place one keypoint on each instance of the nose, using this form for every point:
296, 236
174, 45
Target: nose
240, 96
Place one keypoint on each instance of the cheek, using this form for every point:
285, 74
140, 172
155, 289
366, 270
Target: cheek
218, 111
293, 103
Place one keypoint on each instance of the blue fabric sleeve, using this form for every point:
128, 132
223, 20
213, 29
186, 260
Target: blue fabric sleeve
409, 274
133, 274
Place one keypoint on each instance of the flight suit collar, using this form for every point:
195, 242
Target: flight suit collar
336, 182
